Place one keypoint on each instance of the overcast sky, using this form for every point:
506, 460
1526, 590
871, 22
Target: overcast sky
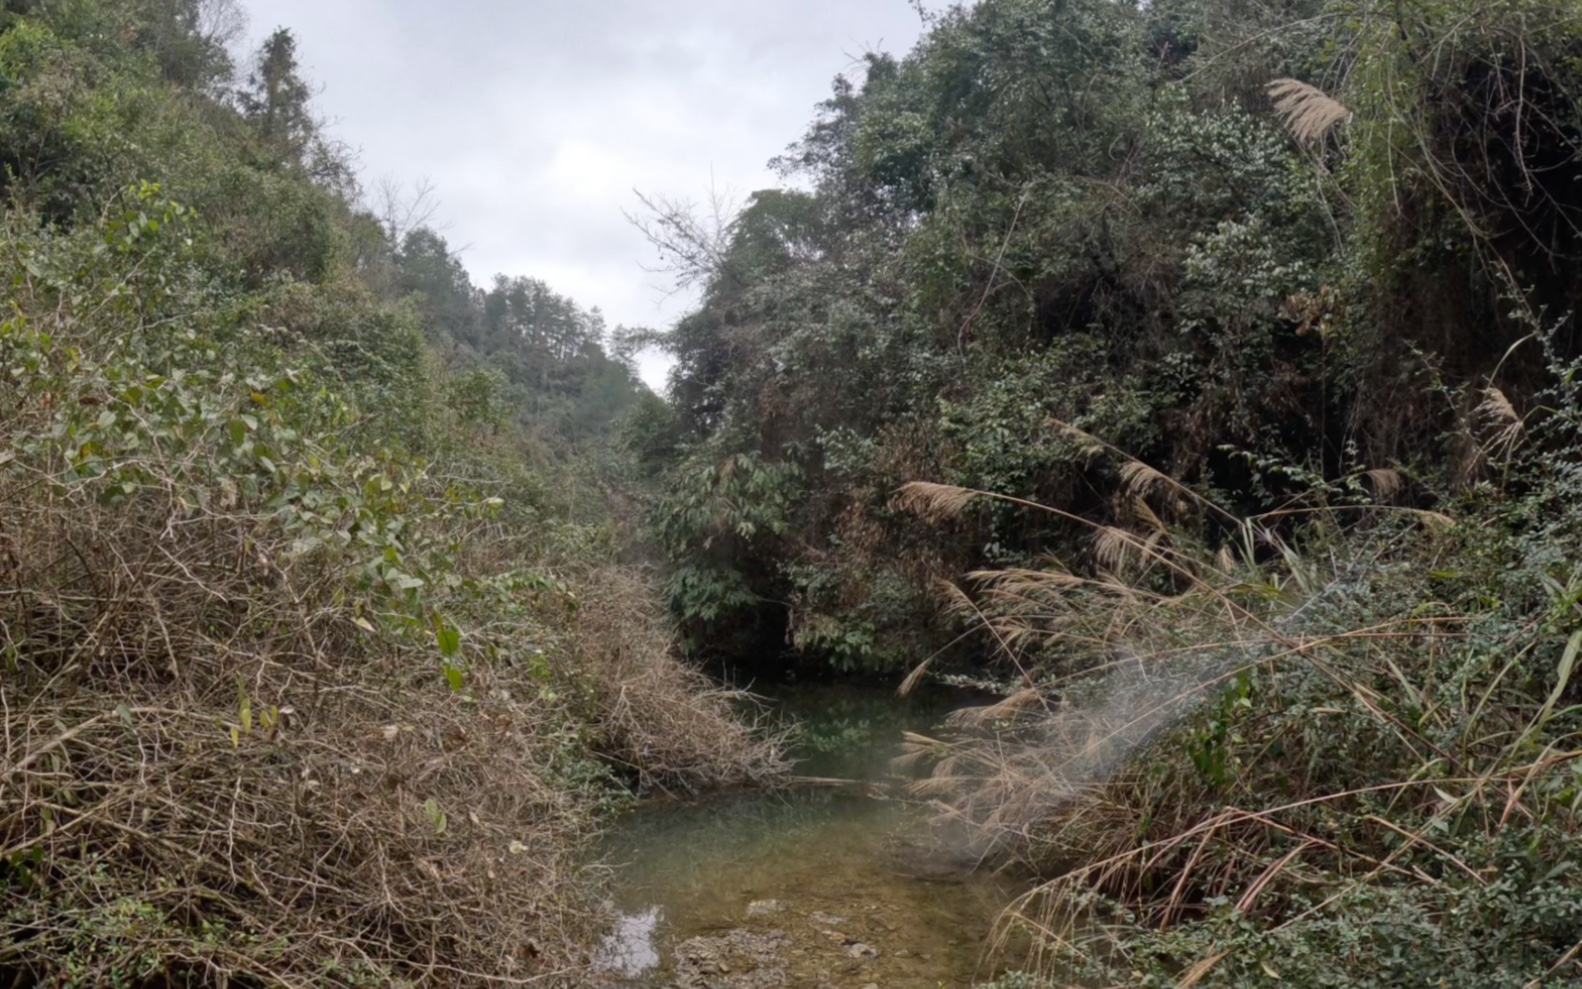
536, 119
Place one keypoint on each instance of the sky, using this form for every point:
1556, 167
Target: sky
538, 122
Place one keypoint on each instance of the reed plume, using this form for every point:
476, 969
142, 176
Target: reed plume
1309, 112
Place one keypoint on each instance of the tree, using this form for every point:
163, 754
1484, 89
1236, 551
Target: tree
426, 267
192, 38
276, 98
276, 101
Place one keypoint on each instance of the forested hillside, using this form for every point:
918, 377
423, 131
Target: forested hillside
1200, 375
1103, 215
318, 668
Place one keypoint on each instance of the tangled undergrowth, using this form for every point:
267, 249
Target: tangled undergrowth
1344, 750
285, 702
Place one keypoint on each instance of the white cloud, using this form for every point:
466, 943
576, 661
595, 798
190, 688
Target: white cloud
536, 120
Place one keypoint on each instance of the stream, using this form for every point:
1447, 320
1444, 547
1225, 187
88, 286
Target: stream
821, 886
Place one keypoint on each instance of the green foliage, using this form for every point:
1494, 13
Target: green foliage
1085, 212
730, 510
295, 530
1027, 218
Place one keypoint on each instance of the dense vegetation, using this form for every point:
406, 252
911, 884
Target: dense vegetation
1231, 348
1089, 213
318, 668
1201, 375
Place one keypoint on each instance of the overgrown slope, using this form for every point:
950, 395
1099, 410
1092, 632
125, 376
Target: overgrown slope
1091, 212
1201, 374
318, 669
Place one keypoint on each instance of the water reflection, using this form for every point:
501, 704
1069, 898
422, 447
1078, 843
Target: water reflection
631, 948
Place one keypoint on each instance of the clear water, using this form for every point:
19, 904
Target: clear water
830, 871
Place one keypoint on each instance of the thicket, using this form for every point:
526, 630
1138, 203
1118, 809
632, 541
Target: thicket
1230, 347
318, 668
1092, 212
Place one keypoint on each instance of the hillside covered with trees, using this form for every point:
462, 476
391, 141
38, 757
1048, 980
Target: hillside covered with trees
319, 669
1096, 214
1201, 376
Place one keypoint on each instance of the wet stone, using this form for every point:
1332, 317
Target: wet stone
765, 908
779, 866
738, 959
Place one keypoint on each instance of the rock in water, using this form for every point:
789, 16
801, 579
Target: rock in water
738, 959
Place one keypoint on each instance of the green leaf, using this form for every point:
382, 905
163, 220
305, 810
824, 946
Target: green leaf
436, 816
1562, 677
455, 677
244, 705
449, 639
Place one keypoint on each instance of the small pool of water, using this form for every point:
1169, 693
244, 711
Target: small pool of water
817, 886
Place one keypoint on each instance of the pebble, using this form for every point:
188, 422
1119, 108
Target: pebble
764, 908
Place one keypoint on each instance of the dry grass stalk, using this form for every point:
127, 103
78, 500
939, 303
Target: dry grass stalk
1149, 518
1309, 112
660, 717
198, 733
1010, 709
1386, 483
1201, 969
936, 502
1138, 479
1070, 784
1499, 415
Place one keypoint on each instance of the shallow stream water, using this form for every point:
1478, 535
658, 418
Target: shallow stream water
820, 886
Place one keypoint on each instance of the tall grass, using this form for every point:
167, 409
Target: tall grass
1337, 744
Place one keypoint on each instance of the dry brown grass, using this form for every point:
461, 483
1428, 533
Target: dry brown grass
667, 722
1107, 790
1188, 726
211, 769
216, 767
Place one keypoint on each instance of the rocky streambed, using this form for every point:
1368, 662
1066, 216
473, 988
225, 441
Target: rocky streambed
817, 888
779, 946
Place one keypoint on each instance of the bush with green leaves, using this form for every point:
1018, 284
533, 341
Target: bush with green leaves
314, 672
